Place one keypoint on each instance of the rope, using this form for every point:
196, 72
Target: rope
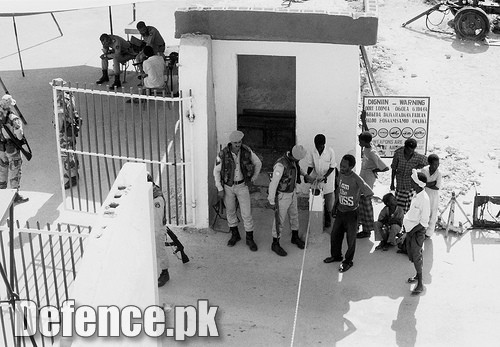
314, 186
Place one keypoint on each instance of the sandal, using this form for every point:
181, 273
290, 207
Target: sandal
412, 279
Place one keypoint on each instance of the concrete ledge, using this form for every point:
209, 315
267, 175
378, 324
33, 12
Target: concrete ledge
284, 25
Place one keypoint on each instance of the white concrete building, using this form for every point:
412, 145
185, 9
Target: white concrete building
279, 75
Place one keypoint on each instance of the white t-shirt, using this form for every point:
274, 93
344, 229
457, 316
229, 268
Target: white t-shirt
155, 68
321, 164
419, 212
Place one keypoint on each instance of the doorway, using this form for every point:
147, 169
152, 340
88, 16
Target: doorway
266, 105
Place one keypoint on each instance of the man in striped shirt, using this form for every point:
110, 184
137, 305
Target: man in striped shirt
404, 160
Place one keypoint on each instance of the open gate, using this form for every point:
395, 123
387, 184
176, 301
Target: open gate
99, 130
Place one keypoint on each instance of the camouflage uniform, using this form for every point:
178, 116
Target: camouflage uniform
69, 127
10, 156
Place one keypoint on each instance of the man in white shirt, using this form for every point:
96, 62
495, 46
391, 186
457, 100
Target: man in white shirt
236, 166
154, 69
321, 166
415, 223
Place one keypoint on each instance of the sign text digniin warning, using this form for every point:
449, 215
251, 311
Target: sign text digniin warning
393, 119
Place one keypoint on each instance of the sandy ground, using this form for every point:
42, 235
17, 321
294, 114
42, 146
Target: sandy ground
256, 293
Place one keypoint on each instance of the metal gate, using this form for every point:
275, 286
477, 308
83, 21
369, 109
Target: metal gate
99, 130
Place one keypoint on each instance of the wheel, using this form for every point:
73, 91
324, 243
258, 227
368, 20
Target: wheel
471, 23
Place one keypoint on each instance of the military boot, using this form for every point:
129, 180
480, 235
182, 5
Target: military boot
164, 278
250, 242
117, 83
104, 77
296, 240
235, 237
276, 248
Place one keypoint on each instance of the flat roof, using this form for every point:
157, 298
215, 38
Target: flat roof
314, 21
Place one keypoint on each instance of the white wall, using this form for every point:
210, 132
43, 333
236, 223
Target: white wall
195, 75
327, 89
327, 93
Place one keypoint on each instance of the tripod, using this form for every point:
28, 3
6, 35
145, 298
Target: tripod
451, 216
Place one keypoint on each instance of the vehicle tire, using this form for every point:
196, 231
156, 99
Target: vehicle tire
471, 23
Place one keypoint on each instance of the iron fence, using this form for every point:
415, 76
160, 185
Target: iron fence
43, 267
115, 127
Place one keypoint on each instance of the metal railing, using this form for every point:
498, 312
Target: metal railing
116, 127
43, 268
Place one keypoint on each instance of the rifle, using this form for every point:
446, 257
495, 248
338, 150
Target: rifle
179, 247
15, 106
19, 143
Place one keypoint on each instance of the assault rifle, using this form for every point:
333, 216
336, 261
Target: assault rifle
19, 143
179, 247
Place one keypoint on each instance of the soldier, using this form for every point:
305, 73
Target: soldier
152, 38
236, 166
160, 221
10, 155
69, 127
120, 51
283, 197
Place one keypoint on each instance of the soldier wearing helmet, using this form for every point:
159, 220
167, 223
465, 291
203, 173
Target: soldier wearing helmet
69, 126
11, 129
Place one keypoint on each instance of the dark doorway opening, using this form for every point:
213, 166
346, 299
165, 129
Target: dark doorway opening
266, 105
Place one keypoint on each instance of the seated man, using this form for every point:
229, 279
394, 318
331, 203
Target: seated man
389, 222
152, 38
154, 69
116, 48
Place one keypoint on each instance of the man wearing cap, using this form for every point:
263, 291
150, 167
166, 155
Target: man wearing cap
415, 223
236, 166
321, 164
404, 160
283, 197
69, 127
371, 165
10, 155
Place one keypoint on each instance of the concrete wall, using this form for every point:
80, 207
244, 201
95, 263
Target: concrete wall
327, 89
195, 71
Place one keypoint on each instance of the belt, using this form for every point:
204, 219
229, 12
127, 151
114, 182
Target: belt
238, 182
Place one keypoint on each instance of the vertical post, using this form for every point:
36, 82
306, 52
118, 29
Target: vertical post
133, 12
11, 244
17, 43
58, 141
110, 20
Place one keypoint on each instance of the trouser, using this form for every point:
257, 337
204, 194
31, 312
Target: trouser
329, 200
346, 222
10, 162
117, 60
161, 250
69, 160
386, 232
287, 205
365, 211
414, 243
240, 192
403, 197
434, 202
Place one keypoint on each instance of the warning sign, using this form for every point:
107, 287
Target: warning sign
393, 119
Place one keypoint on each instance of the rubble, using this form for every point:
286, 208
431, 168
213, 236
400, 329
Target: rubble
458, 175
